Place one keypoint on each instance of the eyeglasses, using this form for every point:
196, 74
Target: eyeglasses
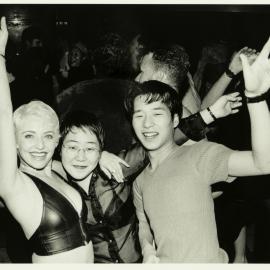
74, 149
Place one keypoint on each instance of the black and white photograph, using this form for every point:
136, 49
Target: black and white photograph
134, 133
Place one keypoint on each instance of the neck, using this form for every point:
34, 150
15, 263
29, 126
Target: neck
84, 184
169, 81
158, 156
47, 171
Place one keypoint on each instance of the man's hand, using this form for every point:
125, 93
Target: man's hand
3, 36
110, 164
236, 65
226, 105
257, 74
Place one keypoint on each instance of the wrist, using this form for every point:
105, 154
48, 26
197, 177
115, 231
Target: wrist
206, 117
256, 97
230, 73
210, 111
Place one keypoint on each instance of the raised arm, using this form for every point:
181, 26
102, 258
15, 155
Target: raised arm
257, 83
8, 155
195, 127
235, 67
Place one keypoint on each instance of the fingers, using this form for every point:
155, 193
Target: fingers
3, 23
245, 63
235, 101
107, 172
123, 162
216, 194
236, 104
234, 111
117, 173
234, 97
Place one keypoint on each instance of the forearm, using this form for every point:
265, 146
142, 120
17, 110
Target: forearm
8, 151
193, 127
5, 100
216, 91
240, 246
146, 240
260, 134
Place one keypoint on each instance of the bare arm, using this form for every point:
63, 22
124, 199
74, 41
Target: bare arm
8, 155
145, 235
257, 82
240, 247
219, 87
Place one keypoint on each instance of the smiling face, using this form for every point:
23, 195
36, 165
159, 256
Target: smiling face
153, 124
80, 153
36, 139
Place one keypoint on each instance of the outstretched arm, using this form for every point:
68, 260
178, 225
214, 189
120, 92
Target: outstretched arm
8, 155
195, 127
257, 83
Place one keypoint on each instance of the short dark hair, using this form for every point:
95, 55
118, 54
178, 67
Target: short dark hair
154, 91
175, 59
81, 119
111, 55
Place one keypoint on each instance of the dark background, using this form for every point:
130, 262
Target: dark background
189, 25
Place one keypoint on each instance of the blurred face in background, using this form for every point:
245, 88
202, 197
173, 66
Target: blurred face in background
147, 69
135, 49
76, 57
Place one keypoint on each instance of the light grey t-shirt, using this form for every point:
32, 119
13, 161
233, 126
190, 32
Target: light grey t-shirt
176, 198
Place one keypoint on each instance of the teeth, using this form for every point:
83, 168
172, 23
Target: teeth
150, 134
38, 154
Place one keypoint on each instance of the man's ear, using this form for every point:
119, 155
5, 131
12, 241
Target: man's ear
175, 120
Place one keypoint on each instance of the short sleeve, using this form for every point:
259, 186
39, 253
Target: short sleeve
212, 161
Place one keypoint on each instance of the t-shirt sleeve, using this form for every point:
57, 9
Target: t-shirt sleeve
212, 161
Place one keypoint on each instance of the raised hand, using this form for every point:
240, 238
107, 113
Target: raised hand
110, 164
226, 105
3, 36
257, 74
236, 65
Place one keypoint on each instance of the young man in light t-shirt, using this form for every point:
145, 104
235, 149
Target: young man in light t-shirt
172, 195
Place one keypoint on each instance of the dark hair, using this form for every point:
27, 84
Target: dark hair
175, 59
81, 119
31, 33
154, 91
111, 55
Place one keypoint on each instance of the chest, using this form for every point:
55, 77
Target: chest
175, 190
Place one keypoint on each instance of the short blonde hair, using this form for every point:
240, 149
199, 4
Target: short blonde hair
36, 108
